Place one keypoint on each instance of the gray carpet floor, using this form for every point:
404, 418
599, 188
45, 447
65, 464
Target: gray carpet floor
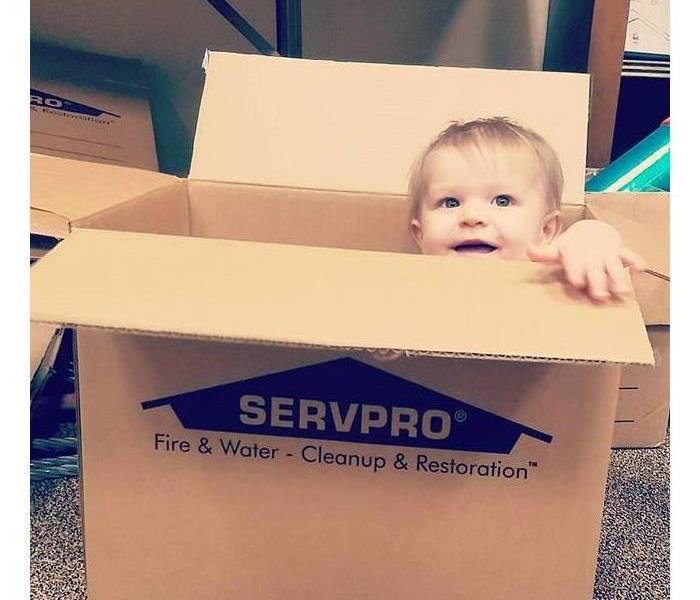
633, 561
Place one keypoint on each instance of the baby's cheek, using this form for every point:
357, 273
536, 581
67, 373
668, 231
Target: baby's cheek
516, 242
436, 235
513, 252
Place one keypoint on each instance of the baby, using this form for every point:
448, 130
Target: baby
492, 188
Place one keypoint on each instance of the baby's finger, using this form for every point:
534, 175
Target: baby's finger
544, 253
597, 279
618, 279
632, 259
575, 271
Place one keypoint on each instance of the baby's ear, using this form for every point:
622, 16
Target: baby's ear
551, 226
416, 231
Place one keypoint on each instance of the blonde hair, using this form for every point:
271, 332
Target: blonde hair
483, 132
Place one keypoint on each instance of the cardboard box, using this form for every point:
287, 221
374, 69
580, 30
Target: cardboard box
649, 27
237, 437
90, 107
643, 407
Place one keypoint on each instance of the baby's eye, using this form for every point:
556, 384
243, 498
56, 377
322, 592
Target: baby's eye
502, 200
449, 202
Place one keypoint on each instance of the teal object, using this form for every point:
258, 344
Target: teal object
646, 167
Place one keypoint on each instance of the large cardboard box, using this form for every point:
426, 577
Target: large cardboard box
239, 438
90, 107
643, 407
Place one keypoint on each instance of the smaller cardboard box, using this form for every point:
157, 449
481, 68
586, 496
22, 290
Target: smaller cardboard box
643, 407
240, 308
90, 107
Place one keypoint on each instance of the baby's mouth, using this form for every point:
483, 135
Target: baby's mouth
474, 247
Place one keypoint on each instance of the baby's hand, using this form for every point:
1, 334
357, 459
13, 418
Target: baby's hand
593, 258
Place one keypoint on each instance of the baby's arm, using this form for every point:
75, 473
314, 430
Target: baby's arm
593, 257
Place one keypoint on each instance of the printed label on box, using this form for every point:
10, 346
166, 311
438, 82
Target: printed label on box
39, 100
345, 400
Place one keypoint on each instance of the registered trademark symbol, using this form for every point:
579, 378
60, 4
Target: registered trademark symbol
533, 463
461, 416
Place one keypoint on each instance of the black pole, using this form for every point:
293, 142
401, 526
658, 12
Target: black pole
568, 37
289, 28
247, 30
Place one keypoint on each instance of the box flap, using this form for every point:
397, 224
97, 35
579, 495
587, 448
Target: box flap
653, 297
643, 221
326, 297
46, 223
64, 190
358, 127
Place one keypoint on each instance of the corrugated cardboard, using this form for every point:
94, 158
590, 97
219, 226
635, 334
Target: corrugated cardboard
256, 109
63, 191
90, 107
643, 220
642, 412
194, 525
267, 296
331, 298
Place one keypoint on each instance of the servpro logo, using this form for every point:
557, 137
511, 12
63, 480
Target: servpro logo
362, 419
346, 400
39, 100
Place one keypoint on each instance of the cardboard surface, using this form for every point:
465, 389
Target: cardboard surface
653, 295
642, 412
294, 216
274, 121
90, 107
307, 296
643, 220
64, 190
214, 526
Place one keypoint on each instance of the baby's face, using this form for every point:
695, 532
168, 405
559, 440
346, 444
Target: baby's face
483, 203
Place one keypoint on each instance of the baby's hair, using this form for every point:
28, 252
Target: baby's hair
483, 132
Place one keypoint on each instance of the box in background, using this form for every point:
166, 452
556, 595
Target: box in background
642, 219
649, 27
90, 107
643, 405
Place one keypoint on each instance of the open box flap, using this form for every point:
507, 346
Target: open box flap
65, 190
326, 297
359, 126
643, 221
49, 224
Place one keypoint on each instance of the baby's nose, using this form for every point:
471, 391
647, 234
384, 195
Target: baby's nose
470, 215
